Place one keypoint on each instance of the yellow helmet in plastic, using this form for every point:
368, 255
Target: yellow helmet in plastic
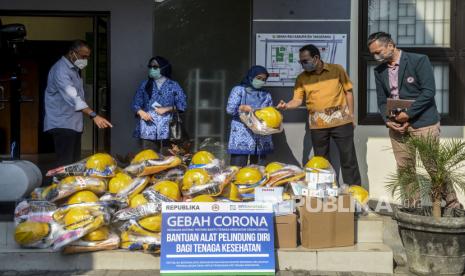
169, 189
273, 166
30, 232
151, 223
100, 161
271, 116
203, 198
202, 157
359, 194
82, 197
195, 177
147, 154
75, 216
318, 162
119, 182
137, 201
248, 175
100, 234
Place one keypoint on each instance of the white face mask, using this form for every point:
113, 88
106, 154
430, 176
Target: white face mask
80, 63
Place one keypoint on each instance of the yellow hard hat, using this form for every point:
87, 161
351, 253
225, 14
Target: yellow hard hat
82, 197
30, 232
119, 182
195, 177
100, 161
248, 175
100, 234
203, 198
137, 201
318, 162
169, 189
273, 166
202, 157
151, 223
271, 116
147, 154
359, 194
75, 216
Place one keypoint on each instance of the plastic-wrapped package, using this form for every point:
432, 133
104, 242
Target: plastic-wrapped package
97, 165
257, 121
149, 167
34, 210
247, 179
71, 185
77, 220
122, 198
151, 208
135, 237
34, 225
284, 175
174, 174
213, 185
80, 246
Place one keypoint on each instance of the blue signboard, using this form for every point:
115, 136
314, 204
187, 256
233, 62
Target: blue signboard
217, 239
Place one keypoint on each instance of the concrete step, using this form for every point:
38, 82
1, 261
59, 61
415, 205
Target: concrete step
369, 229
369, 255
363, 257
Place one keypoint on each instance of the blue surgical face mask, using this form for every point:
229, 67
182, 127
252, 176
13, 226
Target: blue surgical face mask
309, 66
155, 73
257, 83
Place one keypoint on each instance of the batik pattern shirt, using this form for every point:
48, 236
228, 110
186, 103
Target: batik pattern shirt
241, 139
170, 93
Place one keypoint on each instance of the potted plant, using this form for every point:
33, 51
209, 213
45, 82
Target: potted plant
433, 236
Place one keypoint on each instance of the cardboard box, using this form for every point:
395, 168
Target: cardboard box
327, 222
286, 231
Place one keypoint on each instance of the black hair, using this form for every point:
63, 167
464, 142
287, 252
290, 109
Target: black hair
78, 44
312, 49
383, 37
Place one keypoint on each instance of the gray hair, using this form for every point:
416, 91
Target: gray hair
382, 37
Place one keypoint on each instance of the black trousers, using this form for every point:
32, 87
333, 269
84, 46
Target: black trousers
241, 159
156, 145
67, 145
343, 136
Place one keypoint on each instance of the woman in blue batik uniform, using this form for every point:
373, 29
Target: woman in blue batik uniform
246, 97
153, 102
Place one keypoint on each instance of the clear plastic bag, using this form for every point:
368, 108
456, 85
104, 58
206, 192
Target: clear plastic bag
256, 125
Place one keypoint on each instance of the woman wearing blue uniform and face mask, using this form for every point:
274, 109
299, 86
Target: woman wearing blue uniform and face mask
153, 102
246, 97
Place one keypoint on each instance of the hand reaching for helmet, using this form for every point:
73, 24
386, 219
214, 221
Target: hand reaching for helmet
245, 108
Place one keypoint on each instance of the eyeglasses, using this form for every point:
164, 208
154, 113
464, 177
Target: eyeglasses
305, 61
153, 66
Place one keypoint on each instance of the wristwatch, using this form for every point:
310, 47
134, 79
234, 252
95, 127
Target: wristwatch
92, 115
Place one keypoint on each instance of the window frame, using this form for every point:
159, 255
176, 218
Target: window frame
453, 55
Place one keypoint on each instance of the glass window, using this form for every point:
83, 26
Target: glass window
412, 23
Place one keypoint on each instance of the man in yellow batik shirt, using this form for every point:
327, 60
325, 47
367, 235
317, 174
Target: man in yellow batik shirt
327, 91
